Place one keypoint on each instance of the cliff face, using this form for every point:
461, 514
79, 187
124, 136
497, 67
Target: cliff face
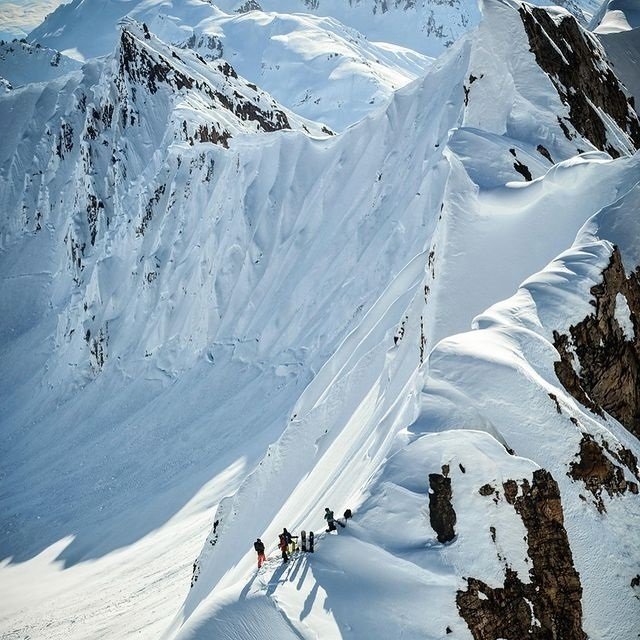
576, 63
600, 357
547, 603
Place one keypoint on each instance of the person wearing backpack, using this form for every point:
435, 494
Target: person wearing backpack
259, 547
331, 521
291, 541
328, 516
283, 544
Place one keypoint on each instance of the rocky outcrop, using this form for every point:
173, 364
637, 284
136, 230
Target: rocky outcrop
146, 62
600, 358
548, 605
442, 516
576, 64
594, 466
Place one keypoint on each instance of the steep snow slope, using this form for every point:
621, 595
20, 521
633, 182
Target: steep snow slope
616, 15
315, 66
174, 302
346, 419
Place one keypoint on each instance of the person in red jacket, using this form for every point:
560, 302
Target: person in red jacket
259, 547
283, 545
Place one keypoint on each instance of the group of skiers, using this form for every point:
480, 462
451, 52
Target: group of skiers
287, 542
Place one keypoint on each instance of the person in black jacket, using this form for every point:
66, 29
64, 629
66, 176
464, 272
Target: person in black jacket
291, 541
259, 547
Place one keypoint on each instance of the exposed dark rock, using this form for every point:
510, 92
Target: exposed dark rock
543, 151
576, 64
249, 5
548, 606
149, 208
141, 67
441, 513
523, 170
554, 397
486, 490
94, 206
147, 67
598, 472
65, 140
608, 360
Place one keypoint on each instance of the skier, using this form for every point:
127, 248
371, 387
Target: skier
283, 544
331, 521
328, 516
259, 547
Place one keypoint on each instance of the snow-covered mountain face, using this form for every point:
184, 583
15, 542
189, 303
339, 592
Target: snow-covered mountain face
427, 26
217, 311
315, 66
617, 26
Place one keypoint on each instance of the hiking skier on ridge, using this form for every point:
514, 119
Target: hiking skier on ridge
259, 547
331, 521
283, 544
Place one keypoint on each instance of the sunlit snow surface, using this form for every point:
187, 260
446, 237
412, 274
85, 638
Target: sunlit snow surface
252, 370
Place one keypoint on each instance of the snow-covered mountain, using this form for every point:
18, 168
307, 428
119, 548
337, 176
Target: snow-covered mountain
427, 25
315, 66
22, 63
220, 318
617, 25
84, 28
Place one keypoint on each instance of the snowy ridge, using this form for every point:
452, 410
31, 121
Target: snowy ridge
315, 66
22, 63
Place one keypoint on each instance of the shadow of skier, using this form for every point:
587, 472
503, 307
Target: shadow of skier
276, 579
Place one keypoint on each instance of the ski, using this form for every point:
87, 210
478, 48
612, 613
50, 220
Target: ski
303, 540
311, 541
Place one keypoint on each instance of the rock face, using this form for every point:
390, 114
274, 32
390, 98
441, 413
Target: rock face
599, 472
143, 65
548, 606
441, 513
600, 359
577, 65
